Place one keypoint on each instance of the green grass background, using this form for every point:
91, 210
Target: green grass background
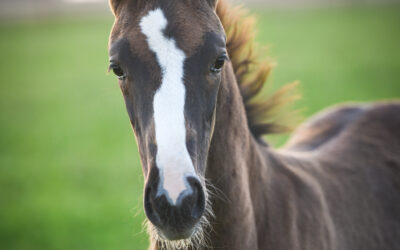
70, 176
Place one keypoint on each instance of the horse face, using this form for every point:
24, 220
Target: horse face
168, 56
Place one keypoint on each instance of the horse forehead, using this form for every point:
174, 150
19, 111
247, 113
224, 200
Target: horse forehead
186, 26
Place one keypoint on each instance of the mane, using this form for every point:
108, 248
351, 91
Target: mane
268, 114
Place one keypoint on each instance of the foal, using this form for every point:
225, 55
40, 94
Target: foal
210, 180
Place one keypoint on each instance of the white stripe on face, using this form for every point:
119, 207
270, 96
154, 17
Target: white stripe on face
173, 160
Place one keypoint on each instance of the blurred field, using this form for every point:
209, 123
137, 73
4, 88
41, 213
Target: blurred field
70, 176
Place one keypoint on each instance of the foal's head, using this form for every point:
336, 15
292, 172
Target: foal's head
168, 56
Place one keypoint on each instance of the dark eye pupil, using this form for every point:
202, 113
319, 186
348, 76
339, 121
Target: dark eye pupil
118, 71
219, 63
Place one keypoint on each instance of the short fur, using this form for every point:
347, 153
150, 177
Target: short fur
334, 186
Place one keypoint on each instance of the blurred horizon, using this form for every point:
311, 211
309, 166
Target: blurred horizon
11, 9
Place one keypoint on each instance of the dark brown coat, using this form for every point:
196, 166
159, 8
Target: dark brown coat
334, 186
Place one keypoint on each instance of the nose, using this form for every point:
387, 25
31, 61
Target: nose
176, 220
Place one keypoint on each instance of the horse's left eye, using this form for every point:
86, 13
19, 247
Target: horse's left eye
219, 63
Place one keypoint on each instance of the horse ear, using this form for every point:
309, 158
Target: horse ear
114, 5
213, 3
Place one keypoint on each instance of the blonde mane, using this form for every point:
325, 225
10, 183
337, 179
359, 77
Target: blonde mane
264, 115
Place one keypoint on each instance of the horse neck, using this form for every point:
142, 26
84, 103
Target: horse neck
253, 182
234, 159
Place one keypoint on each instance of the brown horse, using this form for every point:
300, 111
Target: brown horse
211, 182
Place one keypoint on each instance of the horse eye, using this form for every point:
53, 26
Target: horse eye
117, 71
219, 63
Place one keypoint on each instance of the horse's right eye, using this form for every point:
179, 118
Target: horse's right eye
117, 71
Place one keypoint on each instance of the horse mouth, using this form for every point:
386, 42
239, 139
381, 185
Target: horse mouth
173, 234
177, 239
179, 236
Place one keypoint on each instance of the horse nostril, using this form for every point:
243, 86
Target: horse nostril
150, 210
198, 201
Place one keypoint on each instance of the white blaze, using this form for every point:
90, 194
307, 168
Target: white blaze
173, 160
